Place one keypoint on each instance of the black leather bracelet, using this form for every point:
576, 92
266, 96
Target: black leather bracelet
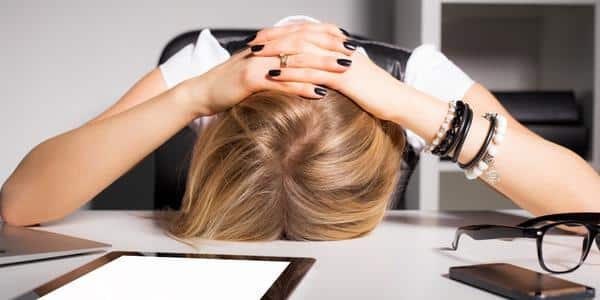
484, 146
447, 143
460, 131
464, 131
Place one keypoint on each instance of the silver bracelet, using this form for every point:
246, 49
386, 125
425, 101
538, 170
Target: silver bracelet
443, 128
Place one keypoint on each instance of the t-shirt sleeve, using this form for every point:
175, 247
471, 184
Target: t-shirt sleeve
177, 68
431, 72
194, 60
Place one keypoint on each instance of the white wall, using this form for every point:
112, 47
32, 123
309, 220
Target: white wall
63, 62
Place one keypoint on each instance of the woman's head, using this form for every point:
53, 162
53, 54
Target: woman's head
280, 166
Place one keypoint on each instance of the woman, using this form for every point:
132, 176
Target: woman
68, 170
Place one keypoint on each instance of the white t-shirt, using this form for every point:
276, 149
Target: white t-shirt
427, 70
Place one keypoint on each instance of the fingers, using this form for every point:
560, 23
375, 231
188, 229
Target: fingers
255, 78
320, 62
303, 89
273, 33
303, 42
304, 75
329, 62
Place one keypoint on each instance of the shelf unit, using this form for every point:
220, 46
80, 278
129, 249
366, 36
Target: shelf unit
507, 45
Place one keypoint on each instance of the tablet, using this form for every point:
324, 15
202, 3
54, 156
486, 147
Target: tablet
142, 275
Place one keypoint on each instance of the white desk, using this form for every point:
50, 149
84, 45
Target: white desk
401, 259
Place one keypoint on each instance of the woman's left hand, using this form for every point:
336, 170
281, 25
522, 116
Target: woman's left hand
364, 82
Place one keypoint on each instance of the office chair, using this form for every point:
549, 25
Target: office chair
172, 159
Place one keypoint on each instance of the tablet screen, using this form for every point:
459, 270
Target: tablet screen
175, 276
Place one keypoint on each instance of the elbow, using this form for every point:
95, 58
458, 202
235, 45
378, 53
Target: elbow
10, 218
9, 213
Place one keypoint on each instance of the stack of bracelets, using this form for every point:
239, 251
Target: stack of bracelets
453, 132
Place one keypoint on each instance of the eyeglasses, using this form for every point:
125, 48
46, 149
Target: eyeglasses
563, 240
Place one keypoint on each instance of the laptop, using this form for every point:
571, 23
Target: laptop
19, 244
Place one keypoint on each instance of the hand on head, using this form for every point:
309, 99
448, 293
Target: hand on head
319, 56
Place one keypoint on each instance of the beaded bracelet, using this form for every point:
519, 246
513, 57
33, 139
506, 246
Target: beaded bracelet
452, 135
443, 128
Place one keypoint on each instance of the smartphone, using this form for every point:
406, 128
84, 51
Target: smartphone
515, 282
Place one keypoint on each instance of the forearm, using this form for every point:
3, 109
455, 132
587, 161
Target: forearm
64, 172
543, 177
537, 175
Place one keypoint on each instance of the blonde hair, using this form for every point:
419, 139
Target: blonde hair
278, 166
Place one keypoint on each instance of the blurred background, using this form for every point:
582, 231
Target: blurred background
63, 62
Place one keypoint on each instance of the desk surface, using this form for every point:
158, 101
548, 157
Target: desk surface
402, 259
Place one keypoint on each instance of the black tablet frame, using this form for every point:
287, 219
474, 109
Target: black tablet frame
280, 289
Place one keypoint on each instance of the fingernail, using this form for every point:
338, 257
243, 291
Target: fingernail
320, 91
250, 38
274, 72
344, 31
257, 48
350, 45
344, 62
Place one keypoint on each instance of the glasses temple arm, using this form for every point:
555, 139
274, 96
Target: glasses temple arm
487, 232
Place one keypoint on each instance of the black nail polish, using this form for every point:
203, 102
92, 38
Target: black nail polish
257, 48
344, 62
249, 39
274, 72
350, 45
320, 91
344, 32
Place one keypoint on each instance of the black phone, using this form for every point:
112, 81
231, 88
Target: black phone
515, 282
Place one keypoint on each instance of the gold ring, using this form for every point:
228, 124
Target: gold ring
283, 60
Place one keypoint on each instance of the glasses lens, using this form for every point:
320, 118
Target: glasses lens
563, 246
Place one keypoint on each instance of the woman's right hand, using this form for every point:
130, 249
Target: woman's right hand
316, 46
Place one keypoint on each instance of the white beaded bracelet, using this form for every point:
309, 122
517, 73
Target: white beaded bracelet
486, 164
443, 128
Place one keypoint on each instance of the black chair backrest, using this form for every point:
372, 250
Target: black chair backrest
173, 157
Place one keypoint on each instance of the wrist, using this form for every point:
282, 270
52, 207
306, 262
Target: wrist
191, 96
417, 111
402, 99
421, 113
